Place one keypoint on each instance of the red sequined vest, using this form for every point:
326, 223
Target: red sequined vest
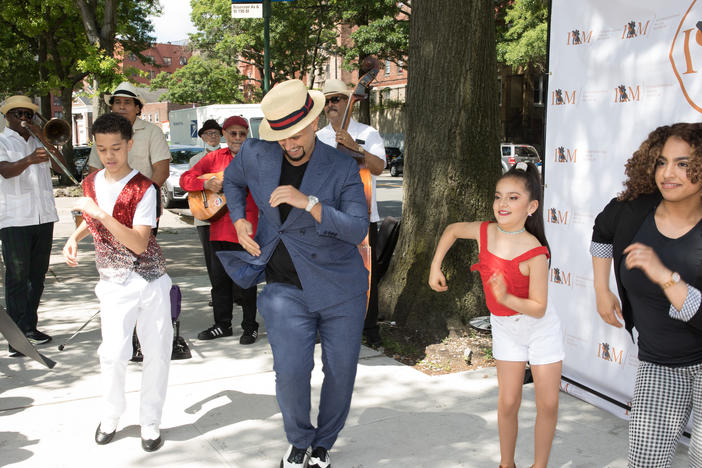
114, 261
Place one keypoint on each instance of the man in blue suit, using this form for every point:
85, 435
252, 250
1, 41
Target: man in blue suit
313, 213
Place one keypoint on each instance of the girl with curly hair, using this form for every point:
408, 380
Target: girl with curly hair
653, 231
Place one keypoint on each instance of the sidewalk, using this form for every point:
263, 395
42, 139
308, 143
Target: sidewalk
221, 409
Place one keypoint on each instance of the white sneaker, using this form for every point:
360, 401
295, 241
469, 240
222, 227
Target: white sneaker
294, 458
319, 458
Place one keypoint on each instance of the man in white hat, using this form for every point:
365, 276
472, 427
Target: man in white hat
27, 217
365, 140
150, 154
312, 216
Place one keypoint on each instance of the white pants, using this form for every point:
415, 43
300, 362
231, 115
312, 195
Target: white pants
149, 306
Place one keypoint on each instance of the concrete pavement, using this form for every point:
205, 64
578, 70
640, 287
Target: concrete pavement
221, 409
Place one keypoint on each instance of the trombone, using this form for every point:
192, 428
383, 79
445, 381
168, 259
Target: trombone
55, 132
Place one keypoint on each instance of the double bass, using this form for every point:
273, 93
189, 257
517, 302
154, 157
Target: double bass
370, 67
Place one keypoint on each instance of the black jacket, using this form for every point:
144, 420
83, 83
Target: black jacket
617, 225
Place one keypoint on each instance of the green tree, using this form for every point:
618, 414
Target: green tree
522, 34
452, 115
299, 31
202, 80
46, 46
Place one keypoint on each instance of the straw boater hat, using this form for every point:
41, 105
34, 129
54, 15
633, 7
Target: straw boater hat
126, 89
18, 102
288, 108
332, 87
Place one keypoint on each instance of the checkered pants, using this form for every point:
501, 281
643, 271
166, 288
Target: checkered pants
663, 399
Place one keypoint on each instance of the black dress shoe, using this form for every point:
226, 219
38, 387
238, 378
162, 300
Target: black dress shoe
151, 445
102, 438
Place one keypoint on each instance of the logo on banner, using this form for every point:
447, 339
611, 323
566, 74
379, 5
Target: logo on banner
607, 352
624, 93
685, 57
577, 37
559, 276
634, 29
556, 216
560, 97
565, 155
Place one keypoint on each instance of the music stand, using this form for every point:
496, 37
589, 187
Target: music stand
18, 341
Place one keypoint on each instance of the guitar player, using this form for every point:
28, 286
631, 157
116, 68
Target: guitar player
223, 237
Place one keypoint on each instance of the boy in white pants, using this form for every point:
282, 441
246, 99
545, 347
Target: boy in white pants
119, 211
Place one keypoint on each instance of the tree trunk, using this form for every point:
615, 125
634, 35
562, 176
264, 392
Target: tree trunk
452, 162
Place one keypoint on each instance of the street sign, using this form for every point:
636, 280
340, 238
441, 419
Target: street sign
247, 10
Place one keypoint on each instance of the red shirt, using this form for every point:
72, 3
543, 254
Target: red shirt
217, 161
517, 283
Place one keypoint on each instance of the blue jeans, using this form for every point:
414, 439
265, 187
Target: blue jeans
25, 251
292, 331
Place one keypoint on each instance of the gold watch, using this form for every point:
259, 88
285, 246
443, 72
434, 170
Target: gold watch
674, 279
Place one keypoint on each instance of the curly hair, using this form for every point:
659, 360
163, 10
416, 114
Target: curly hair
641, 167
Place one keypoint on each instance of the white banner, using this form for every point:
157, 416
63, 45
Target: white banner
618, 70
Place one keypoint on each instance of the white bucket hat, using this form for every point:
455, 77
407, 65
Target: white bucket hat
288, 108
126, 89
333, 86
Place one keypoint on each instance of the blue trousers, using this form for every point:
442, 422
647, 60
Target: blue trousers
292, 331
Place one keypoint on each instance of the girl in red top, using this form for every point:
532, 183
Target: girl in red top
513, 264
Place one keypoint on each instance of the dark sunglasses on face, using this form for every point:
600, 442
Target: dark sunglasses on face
333, 100
22, 113
236, 133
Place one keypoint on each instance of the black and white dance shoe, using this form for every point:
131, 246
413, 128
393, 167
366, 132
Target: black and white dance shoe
151, 445
294, 458
102, 438
319, 458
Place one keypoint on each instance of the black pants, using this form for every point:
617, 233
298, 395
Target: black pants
25, 251
203, 232
371, 323
225, 292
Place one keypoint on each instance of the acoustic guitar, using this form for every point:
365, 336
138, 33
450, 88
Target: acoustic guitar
207, 205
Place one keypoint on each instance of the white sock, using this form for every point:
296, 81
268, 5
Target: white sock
150, 432
108, 425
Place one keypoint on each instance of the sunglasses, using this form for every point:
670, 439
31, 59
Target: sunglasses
235, 133
22, 113
334, 100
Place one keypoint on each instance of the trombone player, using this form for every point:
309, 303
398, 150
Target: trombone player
27, 216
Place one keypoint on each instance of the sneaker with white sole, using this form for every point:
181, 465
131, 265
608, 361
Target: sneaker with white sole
319, 458
215, 331
294, 458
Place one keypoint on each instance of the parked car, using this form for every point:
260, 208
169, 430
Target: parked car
80, 160
171, 193
512, 154
396, 165
391, 152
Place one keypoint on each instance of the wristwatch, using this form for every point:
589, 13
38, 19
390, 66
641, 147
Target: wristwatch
674, 279
312, 200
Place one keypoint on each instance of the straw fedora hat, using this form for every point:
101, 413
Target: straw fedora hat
288, 108
126, 89
333, 86
17, 102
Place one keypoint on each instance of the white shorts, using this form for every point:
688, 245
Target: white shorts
524, 338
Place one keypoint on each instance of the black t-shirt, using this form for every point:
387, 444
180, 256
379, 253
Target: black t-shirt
662, 339
280, 268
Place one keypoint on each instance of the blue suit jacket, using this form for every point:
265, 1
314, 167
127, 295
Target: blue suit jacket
325, 254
